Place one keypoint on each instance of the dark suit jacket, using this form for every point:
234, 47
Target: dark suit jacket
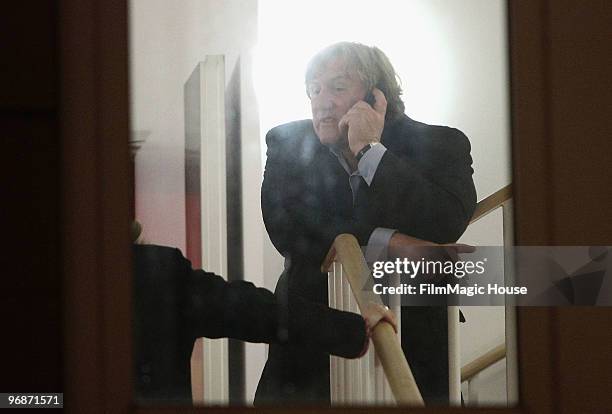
423, 187
174, 305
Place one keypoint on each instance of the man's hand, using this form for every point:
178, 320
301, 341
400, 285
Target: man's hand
372, 314
364, 122
402, 245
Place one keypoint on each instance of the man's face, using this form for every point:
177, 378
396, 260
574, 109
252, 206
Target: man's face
333, 91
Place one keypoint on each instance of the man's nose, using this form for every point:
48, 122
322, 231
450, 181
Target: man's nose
323, 100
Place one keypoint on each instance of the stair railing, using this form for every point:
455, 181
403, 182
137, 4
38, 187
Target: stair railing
362, 381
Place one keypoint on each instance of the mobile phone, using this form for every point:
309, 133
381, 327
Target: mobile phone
369, 98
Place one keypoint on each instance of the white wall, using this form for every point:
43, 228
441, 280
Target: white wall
167, 39
484, 328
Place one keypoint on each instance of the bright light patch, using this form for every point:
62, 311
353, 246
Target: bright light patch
408, 31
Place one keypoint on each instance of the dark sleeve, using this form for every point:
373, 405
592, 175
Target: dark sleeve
428, 194
172, 298
335, 332
294, 219
215, 308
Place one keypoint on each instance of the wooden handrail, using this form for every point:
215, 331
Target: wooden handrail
492, 202
347, 252
483, 362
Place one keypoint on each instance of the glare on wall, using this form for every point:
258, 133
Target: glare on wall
290, 32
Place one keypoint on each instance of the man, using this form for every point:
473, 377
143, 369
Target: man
363, 168
174, 305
